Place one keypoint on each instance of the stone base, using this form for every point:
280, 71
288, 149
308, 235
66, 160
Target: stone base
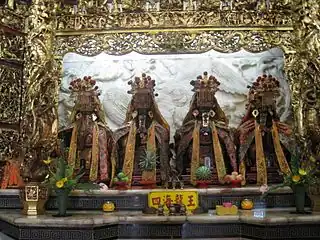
137, 199
94, 225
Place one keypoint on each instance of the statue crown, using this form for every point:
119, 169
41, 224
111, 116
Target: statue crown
205, 83
265, 84
84, 86
143, 84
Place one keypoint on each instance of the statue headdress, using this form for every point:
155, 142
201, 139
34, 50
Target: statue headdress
264, 90
205, 87
143, 88
86, 97
142, 84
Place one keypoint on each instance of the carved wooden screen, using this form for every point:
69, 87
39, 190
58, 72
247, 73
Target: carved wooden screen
12, 84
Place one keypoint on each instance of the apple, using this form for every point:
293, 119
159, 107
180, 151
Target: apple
125, 179
115, 179
121, 175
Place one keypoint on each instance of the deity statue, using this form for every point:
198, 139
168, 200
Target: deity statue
88, 138
141, 152
264, 142
204, 138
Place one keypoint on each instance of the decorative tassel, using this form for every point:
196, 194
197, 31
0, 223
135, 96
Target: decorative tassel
113, 163
151, 146
195, 160
242, 171
94, 154
283, 164
73, 147
218, 155
260, 158
129, 153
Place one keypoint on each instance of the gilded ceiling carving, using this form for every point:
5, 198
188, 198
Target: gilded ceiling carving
177, 42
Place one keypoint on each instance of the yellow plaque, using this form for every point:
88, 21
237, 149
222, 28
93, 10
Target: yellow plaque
188, 198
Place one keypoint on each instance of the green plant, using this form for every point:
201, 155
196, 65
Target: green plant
121, 177
148, 161
302, 173
63, 177
203, 173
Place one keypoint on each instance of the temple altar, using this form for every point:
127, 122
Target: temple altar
159, 119
270, 219
269, 224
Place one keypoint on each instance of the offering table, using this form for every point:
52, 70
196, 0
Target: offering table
270, 219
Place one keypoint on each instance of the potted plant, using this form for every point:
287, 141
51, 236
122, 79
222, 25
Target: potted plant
62, 180
299, 180
147, 164
203, 176
121, 181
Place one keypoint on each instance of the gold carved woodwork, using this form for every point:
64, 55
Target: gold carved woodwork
13, 19
156, 20
177, 42
11, 85
53, 29
11, 46
12, 82
42, 74
7, 138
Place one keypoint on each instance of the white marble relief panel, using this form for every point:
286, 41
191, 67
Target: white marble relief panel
173, 74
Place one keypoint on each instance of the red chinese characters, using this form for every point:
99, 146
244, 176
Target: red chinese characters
190, 201
156, 201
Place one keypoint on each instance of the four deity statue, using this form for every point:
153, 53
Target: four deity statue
204, 138
88, 138
141, 151
264, 143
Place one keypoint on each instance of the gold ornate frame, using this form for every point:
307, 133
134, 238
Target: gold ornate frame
53, 30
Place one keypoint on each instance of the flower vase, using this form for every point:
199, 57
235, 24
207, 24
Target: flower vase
62, 202
299, 192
